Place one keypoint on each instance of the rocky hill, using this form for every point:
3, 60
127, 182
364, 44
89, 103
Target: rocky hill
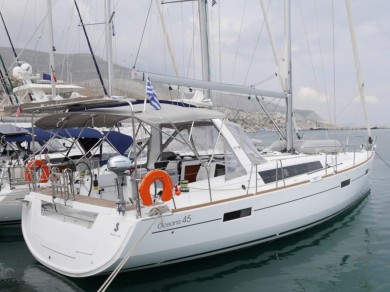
79, 69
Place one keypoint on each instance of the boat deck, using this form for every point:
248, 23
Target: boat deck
86, 199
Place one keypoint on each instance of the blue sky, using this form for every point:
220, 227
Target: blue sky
324, 74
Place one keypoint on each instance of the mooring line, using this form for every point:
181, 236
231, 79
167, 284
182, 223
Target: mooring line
382, 159
115, 272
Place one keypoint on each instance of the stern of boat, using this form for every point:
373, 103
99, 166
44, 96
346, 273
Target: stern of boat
74, 239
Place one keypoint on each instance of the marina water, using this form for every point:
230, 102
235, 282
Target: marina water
349, 253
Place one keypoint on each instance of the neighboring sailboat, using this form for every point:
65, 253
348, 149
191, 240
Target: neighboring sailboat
31, 157
194, 187
39, 88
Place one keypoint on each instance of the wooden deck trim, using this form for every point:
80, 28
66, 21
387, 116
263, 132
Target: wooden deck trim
87, 200
354, 166
211, 203
349, 168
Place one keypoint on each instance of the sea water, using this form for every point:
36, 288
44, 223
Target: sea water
349, 253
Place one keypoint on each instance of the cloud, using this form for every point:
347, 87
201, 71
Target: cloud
308, 93
370, 99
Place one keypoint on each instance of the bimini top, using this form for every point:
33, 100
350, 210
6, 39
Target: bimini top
80, 103
83, 119
169, 114
9, 130
12, 133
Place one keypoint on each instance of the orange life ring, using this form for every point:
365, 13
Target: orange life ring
151, 177
45, 171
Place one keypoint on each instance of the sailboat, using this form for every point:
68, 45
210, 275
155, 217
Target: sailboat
31, 97
30, 154
195, 187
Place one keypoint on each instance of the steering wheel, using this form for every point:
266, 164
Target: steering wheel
82, 179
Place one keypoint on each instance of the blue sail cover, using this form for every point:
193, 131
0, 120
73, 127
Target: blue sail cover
17, 138
77, 133
120, 141
40, 135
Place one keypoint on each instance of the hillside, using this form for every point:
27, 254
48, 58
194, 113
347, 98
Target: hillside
80, 70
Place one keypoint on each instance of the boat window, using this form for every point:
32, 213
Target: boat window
237, 214
206, 139
233, 167
345, 183
245, 143
176, 141
272, 175
203, 139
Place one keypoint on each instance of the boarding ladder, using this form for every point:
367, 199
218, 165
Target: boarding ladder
62, 183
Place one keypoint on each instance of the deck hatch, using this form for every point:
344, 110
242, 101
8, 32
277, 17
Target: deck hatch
237, 214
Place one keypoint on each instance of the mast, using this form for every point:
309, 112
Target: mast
108, 22
90, 49
289, 114
5, 69
204, 36
52, 50
9, 37
357, 66
4, 77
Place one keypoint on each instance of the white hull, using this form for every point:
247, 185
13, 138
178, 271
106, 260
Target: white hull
10, 213
11, 206
96, 241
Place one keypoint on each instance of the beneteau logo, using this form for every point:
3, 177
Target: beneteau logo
116, 227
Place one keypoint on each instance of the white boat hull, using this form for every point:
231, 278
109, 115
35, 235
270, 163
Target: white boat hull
80, 249
11, 206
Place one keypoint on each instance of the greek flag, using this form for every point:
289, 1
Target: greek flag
152, 95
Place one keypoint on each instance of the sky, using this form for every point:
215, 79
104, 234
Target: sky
324, 73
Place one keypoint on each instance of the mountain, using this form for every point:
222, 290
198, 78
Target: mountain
79, 69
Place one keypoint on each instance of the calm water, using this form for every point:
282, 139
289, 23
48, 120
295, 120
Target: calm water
349, 253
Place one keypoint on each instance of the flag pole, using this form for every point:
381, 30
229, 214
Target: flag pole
146, 93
